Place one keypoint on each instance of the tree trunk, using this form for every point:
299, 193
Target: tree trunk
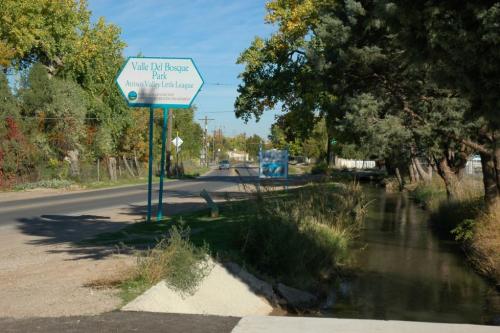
168, 160
449, 177
400, 179
496, 201
74, 163
418, 176
491, 178
420, 170
330, 156
137, 165
112, 168
412, 173
129, 169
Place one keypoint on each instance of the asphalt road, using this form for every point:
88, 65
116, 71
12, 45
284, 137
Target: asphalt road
123, 322
133, 197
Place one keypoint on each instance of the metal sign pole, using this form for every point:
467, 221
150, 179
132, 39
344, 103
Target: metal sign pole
159, 214
286, 169
177, 152
260, 167
150, 171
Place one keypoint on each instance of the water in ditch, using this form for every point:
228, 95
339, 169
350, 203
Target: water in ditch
405, 272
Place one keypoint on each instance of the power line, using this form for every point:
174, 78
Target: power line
216, 111
49, 118
220, 84
90, 118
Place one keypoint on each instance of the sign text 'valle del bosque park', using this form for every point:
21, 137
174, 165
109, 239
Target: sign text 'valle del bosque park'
159, 82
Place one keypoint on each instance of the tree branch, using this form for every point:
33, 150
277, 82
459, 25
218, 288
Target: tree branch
476, 146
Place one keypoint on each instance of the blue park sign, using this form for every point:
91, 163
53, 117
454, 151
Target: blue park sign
273, 163
159, 82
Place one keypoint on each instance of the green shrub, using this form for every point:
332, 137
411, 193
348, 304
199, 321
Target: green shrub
50, 183
464, 231
320, 168
430, 194
450, 215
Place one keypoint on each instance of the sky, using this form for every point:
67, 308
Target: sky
212, 32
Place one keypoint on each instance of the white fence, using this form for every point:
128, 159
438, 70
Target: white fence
354, 164
473, 166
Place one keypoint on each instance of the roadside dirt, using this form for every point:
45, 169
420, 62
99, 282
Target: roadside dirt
43, 270
35, 193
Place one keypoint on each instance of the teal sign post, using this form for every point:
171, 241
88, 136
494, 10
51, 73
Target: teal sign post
159, 83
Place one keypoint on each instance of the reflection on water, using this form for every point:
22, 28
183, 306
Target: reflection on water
405, 272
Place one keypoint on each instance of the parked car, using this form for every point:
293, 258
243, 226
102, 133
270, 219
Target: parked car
224, 164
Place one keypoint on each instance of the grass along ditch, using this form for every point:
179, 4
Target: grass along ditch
300, 238
464, 219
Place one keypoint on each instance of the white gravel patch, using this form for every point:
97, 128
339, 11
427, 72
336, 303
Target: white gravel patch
220, 293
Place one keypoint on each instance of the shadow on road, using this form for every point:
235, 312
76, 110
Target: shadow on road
74, 231
70, 230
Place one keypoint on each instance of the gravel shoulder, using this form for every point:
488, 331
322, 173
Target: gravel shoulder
43, 275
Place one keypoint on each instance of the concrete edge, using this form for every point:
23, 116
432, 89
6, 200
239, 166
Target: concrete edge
270, 324
274, 324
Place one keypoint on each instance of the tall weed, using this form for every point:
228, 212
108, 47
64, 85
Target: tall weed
485, 244
303, 237
176, 260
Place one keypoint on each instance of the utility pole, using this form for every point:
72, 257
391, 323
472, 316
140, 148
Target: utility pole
213, 146
205, 139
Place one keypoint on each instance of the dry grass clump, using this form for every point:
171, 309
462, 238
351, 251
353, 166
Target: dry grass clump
433, 193
174, 259
465, 219
485, 244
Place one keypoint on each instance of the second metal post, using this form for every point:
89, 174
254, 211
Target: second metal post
159, 214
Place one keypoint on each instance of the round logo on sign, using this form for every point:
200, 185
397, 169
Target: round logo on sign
132, 96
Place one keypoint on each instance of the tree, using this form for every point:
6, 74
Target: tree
315, 67
253, 144
16, 154
60, 108
190, 132
315, 146
42, 31
96, 58
342, 61
237, 142
461, 43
